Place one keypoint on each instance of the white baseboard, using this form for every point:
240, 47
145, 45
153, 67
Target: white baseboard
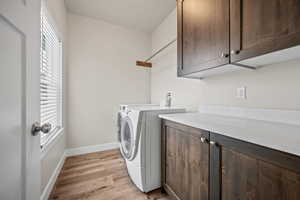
91, 149
47, 191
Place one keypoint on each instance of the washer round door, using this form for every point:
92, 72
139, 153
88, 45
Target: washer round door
127, 138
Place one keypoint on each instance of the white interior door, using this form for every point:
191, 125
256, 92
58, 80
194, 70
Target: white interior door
19, 99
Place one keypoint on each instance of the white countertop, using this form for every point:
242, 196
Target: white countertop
274, 135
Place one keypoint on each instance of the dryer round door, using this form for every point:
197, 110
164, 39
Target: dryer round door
127, 138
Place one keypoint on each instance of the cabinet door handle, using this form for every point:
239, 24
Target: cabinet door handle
203, 140
224, 55
234, 52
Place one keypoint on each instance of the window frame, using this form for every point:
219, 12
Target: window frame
55, 133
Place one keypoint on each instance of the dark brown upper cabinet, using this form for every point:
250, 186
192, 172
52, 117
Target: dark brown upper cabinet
221, 35
258, 27
203, 34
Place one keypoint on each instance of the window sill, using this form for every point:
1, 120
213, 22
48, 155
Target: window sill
51, 142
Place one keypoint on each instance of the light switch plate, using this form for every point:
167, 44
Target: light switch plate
241, 93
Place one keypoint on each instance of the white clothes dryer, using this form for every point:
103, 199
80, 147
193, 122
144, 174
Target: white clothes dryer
140, 142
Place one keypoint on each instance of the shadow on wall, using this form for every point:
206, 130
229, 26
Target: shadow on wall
266, 87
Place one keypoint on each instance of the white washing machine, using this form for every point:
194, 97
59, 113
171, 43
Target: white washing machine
140, 142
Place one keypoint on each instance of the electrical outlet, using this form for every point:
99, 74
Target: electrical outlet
241, 93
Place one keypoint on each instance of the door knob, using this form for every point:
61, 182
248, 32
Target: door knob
36, 128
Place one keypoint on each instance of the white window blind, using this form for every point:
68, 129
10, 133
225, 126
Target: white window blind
50, 78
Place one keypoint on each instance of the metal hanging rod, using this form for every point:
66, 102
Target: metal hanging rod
146, 63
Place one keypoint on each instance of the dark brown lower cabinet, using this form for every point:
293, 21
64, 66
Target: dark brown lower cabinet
249, 171
185, 158
198, 165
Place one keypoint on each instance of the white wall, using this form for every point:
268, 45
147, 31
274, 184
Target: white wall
54, 152
101, 75
275, 86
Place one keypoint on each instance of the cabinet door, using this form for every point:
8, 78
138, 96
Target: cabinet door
263, 26
247, 171
203, 34
185, 162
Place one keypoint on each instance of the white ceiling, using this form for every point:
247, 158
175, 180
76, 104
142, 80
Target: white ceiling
142, 15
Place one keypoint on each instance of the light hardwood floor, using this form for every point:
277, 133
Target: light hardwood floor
98, 176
